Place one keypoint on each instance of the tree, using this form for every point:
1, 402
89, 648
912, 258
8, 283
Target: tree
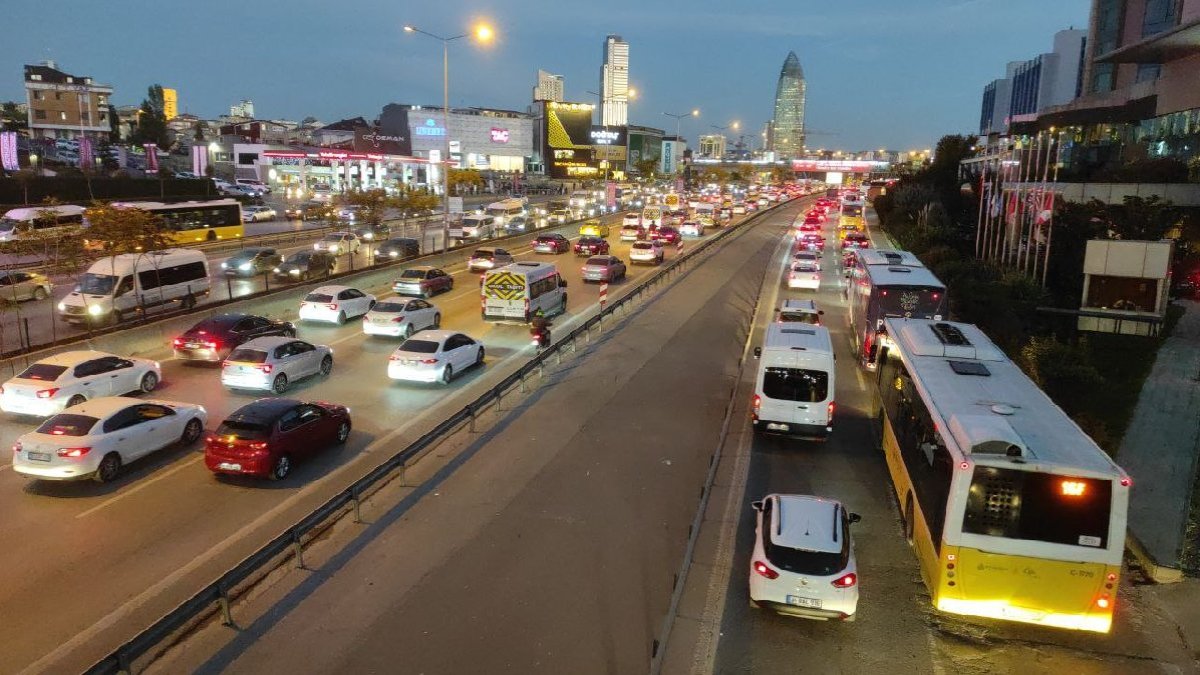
373, 205
125, 230
152, 120
647, 168
413, 201
114, 125
11, 117
460, 178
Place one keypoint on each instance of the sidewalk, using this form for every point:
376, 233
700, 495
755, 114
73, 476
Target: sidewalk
1161, 447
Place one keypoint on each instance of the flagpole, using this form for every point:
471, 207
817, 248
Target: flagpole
982, 200
1050, 222
1026, 219
997, 206
1043, 199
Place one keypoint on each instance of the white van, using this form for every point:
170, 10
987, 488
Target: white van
477, 226
58, 221
580, 200
794, 389
652, 216
514, 293
124, 285
503, 211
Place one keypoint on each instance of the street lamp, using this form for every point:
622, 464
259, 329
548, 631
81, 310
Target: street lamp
484, 34
679, 116
33, 162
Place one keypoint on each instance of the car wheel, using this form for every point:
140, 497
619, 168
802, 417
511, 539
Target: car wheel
76, 400
39, 293
281, 468
437, 321
149, 382
280, 384
192, 431
341, 318
408, 331
479, 356
326, 365
447, 374
343, 432
109, 467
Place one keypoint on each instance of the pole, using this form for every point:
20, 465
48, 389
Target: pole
1050, 221
446, 158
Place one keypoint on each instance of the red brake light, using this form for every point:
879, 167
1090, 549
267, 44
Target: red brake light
73, 452
762, 568
47, 393
1126, 482
258, 445
266, 367
964, 466
211, 344
17, 446
846, 580
332, 306
399, 319
177, 342
829, 408
429, 361
757, 402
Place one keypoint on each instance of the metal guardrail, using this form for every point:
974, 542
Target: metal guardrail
218, 595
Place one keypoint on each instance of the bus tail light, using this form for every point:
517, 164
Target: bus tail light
765, 571
1104, 602
755, 404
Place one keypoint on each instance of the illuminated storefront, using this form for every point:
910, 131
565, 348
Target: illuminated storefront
478, 138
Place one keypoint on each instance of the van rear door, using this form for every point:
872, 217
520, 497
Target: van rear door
505, 296
796, 389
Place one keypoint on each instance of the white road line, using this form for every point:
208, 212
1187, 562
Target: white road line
139, 487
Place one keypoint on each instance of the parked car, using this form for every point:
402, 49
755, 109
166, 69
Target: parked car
551, 243
604, 268
423, 280
434, 356
338, 243
335, 304
398, 248
96, 438
274, 363
304, 265
252, 261
212, 339
488, 257
18, 286
401, 317
591, 246
56, 382
265, 437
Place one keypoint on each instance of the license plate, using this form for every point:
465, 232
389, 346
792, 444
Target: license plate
191, 345
39, 456
803, 602
772, 426
226, 466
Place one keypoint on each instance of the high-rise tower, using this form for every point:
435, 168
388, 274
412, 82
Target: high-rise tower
614, 82
787, 129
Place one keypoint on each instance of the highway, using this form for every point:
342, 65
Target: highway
91, 564
546, 543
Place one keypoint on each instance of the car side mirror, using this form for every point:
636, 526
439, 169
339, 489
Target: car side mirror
757, 352
562, 283
854, 518
757, 506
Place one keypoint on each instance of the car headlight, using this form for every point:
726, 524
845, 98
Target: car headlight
316, 247
393, 254
296, 272
276, 270
368, 236
245, 267
333, 249
62, 306
95, 310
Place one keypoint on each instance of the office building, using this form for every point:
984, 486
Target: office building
614, 83
65, 106
243, 110
787, 127
712, 145
1030, 87
549, 87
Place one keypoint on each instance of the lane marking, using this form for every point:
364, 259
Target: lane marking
140, 486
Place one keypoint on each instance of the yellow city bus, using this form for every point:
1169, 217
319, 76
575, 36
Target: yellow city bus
1013, 511
193, 222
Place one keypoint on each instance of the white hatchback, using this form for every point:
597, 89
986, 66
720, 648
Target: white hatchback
646, 252
70, 378
401, 317
335, 304
95, 439
274, 363
803, 561
804, 274
434, 356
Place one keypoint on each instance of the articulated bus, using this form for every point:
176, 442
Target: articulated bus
192, 222
885, 283
1013, 511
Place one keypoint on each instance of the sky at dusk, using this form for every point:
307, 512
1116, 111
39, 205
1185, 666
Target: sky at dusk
880, 73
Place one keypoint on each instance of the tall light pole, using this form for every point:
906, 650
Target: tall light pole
679, 116
484, 34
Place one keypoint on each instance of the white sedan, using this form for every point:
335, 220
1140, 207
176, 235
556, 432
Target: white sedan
254, 214
401, 317
434, 356
335, 304
631, 218
338, 243
274, 363
96, 438
70, 378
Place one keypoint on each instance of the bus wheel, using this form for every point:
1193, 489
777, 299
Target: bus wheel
908, 518
211, 236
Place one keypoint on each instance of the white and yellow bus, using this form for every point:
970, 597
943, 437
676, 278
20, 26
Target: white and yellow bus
1013, 511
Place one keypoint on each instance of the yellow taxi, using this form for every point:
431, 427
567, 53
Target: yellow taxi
593, 228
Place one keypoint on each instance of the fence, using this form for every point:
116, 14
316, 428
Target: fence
218, 596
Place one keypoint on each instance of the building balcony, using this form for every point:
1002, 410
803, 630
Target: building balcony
1179, 42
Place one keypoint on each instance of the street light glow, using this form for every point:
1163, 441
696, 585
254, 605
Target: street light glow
409, 29
633, 93
736, 125
695, 112
484, 33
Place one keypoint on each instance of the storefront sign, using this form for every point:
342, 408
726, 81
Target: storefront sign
499, 135
373, 140
430, 128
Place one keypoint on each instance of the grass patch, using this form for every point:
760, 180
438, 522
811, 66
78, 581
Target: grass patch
1124, 361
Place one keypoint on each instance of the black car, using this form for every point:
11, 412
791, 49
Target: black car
304, 265
252, 261
399, 248
309, 211
373, 232
212, 339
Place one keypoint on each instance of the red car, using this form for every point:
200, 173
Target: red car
551, 243
856, 240
267, 437
591, 246
810, 242
815, 213
666, 234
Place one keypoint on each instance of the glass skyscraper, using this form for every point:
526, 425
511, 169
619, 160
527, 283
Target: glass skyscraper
787, 128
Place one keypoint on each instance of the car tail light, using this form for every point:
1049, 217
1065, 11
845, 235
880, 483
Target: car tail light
399, 319
764, 570
177, 342
258, 445
846, 580
73, 452
17, 446
47, 393
210, 344
393, 357
829, 409
332, 306
266, 367
429, 362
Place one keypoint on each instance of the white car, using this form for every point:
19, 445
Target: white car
631, 218
434, 356
739, 209
96, 438
807, 256
254, 214
70, 378
335, 304
274, 363
338, 243
488, 257
691, 228
803, 561
401, 317
646, 252
804, 274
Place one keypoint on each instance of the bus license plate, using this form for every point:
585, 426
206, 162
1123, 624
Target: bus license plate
803, 602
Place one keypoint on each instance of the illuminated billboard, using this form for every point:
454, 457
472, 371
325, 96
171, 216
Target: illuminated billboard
567, 144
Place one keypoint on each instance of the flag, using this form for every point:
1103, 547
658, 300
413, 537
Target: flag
151, 157
8, 151
996, 202
86, 155
1044, 209
1014, 202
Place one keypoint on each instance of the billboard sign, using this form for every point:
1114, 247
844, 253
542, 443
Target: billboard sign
391, 136
499, 135
567, 146
376, 142
8, 150
845, 166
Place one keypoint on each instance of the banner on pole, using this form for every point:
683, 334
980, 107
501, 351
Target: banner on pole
8, 151
151, 157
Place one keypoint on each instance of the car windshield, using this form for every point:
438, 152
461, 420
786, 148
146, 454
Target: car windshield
333, 237
43, 372
642, 244
488, 255
243, 430
796, 384
419, 346
413, 274
388, 307
798, 316
97, 284
318, 297
67, 424
248, 356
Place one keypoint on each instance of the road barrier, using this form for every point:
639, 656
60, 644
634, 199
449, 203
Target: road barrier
219, 595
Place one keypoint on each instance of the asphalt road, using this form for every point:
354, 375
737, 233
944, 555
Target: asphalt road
547, 544
89, 565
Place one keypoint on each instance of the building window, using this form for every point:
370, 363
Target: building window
1148, 72
1160, 16
1102, 78
39, 114
85, 117
58, 96
35, 77
62, 116
37, 95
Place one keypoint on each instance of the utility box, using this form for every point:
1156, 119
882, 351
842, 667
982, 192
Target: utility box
1125, 286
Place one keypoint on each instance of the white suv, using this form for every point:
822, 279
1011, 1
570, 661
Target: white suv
803, 562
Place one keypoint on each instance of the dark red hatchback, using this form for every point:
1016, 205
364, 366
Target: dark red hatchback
267, 437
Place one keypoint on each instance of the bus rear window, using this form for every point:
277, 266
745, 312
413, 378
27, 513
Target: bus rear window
1047, 507
912, 302
796, 384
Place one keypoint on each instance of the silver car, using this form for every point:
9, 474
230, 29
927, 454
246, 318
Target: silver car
17, 286
273, 363
338, 243
401, 317
604, 268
